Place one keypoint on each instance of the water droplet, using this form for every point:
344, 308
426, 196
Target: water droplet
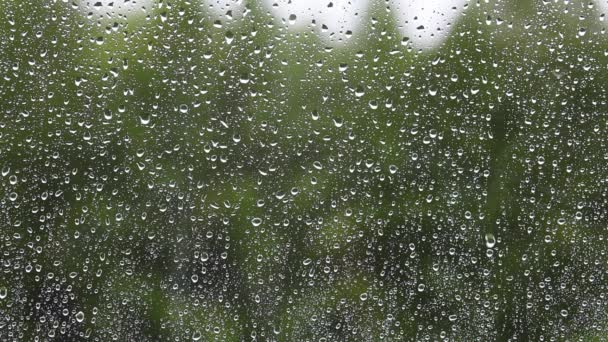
107, 114
540, 160
490, 240
582, 31
144, 119
292, 19
229, 37
359, 92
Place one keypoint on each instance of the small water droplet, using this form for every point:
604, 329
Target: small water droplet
229, 37
276, 330
338, 122
582, 31
292, 19
107, 114
490, 240
144, 119
359, 92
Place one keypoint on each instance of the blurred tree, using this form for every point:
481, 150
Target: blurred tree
173, 175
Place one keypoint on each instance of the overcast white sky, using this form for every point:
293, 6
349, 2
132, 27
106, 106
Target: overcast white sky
436, 16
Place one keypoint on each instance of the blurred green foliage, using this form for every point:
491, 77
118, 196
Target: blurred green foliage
175, 176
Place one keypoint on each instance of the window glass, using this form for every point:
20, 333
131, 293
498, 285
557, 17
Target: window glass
328, 170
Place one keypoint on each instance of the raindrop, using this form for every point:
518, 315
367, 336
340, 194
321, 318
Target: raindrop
107, 114
359, 92
490, 240
582, 31
229, 37
144, 119
292, 19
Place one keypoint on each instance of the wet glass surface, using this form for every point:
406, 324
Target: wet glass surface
303, 171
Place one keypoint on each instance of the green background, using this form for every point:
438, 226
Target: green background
177, 176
